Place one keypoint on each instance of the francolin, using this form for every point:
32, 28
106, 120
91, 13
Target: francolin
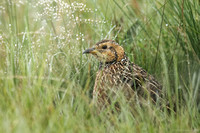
116, 73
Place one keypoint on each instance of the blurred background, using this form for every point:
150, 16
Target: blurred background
46, 82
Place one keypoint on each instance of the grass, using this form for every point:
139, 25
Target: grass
46, 82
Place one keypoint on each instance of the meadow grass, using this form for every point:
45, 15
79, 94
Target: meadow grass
46, 82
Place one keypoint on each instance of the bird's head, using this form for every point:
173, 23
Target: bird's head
107, 51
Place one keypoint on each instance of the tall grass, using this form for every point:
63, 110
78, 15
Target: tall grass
46, 82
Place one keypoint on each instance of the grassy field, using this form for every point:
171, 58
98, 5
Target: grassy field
46, 82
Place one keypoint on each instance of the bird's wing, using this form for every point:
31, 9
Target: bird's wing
140, 81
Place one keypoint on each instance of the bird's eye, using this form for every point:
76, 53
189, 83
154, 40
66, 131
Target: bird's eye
104, 47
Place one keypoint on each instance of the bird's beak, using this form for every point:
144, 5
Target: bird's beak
90, 51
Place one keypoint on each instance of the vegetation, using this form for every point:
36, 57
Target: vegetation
46, 82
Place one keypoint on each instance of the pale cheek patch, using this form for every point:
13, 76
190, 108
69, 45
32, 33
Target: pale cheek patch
110, 57
101, 56
106, 56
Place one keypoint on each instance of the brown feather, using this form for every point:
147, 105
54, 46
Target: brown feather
117, 72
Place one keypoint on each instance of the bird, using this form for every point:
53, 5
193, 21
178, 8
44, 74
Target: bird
118, 74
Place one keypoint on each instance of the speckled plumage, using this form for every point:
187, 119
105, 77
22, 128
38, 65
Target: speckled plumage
116, 73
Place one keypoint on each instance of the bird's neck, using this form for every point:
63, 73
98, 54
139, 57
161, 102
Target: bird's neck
107, 64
